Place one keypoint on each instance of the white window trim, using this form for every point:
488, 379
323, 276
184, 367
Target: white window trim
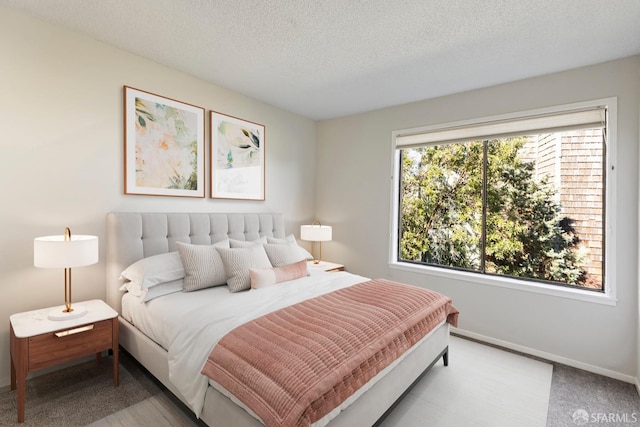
608, 297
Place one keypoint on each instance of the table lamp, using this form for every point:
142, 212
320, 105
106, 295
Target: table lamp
316, 232
65, 252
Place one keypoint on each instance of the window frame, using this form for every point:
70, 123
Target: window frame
607, 297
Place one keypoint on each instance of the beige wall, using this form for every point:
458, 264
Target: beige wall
354, 195
61, 134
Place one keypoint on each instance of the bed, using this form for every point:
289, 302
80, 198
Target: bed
148, 331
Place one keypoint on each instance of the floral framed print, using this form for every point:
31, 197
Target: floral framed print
237, 158
164, 146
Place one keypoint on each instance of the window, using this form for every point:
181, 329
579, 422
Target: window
521, 196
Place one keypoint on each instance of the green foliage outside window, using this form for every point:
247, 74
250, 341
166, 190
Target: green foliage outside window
523, 233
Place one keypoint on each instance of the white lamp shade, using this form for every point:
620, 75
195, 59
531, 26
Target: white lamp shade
55, 252
315, 233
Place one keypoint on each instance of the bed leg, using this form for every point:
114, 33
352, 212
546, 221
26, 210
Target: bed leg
445, 357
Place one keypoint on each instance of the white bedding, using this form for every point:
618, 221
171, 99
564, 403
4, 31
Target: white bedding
189, 324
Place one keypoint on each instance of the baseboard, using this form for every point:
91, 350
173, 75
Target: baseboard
548, 356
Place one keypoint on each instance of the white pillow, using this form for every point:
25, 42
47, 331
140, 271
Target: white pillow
291, 239
259, 253
238, 261
283, 254
155, 269
153, 292
134, 289
222, 244
242, 243
203, 265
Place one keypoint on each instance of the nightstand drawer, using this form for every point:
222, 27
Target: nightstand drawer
37, 342
61, 346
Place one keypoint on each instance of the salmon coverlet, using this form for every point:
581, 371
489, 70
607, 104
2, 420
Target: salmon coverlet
293, 366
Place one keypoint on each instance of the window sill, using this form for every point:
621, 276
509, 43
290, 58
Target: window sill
509, 283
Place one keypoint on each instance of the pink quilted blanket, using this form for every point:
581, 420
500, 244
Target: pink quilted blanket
293, 366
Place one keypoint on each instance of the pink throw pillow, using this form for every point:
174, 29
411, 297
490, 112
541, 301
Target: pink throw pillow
261, 277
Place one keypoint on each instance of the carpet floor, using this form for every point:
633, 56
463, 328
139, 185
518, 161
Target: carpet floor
483, 386
79, 395
581, 398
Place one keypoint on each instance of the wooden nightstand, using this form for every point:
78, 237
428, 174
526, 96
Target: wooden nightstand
326, 266
37, 342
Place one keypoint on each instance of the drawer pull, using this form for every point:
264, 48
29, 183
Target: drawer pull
74, 331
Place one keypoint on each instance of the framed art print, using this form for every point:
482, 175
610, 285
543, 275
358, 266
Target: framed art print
164, 146
237, 158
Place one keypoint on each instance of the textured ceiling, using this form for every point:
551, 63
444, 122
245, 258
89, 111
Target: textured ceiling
328, 58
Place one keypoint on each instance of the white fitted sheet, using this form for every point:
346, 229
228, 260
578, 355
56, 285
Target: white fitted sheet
152, 318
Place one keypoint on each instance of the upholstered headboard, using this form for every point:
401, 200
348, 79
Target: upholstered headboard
133, 236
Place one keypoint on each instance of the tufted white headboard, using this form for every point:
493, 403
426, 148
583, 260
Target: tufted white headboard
133, 236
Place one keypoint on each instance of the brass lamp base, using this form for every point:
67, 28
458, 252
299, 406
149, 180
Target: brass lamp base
317, 261
61, 313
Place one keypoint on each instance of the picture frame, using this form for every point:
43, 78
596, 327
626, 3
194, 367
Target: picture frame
164, 146
237, 158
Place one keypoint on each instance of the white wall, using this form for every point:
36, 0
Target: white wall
353, 195
61, 134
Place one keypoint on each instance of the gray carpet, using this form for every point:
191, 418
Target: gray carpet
590, 399
83, 394
78, 395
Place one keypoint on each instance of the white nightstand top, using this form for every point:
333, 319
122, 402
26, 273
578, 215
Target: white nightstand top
36, 322
325, 265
